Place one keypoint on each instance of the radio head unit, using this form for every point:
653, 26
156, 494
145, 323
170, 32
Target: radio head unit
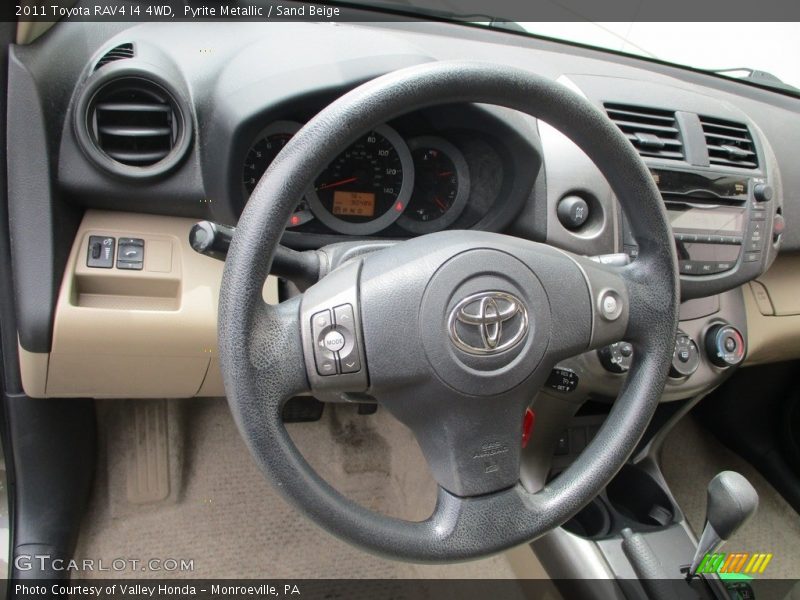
722, 225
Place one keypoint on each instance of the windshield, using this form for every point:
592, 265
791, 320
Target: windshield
770, 47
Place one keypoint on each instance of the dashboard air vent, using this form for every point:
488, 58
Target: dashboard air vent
729, 143
653, 131
134, 121
116, 53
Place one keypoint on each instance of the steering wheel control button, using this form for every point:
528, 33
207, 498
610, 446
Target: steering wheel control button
321, 327
725, 345
335, 347
562, 380
333, 341
100, 254
350, 363
326, 367
685, 357
617, 357
573, 212
610, 305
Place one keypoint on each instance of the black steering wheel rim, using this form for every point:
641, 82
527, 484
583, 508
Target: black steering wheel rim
260, 345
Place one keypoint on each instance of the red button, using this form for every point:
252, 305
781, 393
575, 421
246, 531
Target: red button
527, 426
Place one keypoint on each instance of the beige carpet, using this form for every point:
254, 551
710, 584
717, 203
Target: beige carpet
691, 457
224, 516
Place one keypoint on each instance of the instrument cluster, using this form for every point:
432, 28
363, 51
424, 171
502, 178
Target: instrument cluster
383, 181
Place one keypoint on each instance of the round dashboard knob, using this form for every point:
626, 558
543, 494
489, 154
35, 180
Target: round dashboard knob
725, 345
573, 212
685, 358
762, 192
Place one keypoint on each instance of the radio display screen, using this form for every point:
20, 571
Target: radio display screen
722, 220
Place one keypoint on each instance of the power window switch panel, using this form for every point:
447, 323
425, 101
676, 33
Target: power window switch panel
100, 254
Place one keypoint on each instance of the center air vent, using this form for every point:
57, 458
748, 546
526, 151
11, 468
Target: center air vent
134, 126
729, 143
653, 131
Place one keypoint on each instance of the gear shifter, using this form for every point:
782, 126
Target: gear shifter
732, 500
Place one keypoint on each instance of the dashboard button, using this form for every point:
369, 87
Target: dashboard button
754, 246
723, 266
762, 192
573, 212
705, 268
752, 257
129, 266
101, 252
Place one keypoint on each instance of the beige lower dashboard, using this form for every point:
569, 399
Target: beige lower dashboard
149, 333
773, 313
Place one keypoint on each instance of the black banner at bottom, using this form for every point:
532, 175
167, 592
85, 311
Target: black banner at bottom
397, 589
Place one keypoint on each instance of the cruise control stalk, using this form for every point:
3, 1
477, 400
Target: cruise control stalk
214, 239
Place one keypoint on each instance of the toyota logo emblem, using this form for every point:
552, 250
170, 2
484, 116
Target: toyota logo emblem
488, 323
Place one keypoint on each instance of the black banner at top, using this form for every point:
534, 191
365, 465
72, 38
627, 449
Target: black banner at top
393, 10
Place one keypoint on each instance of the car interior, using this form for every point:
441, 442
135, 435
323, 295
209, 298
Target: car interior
395, 299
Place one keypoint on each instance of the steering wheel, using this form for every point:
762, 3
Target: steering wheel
452, 332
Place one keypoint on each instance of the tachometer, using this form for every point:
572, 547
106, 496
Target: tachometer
261, 154
441, 185
366, 188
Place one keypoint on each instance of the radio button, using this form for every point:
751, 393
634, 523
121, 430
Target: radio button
706, 268
758, 216
754, 245
762, 192
723, 266
752, 257
688, 267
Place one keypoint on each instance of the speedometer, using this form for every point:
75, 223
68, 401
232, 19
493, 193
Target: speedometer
367, 187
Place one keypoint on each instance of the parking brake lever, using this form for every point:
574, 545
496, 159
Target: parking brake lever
214, 239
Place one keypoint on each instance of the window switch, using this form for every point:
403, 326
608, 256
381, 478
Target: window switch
101, 252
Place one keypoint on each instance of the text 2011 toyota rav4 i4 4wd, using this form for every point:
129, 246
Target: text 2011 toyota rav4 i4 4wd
395, 302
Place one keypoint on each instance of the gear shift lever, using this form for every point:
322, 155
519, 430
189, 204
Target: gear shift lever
732, 500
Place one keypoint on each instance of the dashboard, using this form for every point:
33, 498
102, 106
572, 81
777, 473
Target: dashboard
142, 130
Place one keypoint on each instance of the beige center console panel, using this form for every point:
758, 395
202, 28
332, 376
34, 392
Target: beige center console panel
149, 332
773, 313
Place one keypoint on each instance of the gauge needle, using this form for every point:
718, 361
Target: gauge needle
325, 186
440, 204
444, 174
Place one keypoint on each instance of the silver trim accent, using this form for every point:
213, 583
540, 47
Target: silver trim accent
382, 221
489, 319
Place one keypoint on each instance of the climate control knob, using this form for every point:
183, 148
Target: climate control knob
725, 345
